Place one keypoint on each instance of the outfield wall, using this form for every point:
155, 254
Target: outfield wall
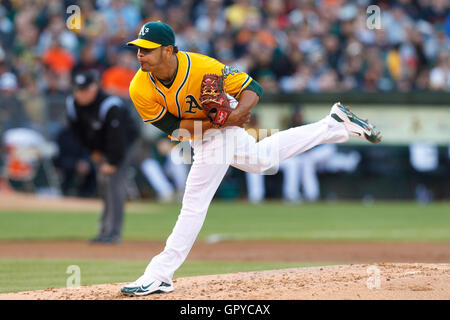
399, 124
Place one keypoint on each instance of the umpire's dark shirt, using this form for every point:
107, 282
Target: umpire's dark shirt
105, 125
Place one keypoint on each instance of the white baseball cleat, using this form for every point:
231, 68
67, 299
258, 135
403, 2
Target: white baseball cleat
145, 286
356, 127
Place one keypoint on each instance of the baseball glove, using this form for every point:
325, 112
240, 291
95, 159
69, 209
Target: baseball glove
214, 100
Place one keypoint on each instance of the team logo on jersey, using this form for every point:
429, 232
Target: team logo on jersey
227, 70
193, 104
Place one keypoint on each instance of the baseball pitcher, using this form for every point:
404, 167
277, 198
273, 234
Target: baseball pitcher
184, 93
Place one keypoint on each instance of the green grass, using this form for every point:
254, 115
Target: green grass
382, 221
33, 274
340, 221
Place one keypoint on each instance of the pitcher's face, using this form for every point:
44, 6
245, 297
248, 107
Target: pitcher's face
152, 60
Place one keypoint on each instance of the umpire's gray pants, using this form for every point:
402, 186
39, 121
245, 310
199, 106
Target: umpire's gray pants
112, 188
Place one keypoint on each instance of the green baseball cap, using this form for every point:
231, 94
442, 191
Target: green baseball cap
153, 35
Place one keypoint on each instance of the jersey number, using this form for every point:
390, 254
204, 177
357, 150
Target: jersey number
193, 104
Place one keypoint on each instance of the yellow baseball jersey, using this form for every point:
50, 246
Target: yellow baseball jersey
152, 99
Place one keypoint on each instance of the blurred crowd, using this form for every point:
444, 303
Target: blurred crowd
288, 46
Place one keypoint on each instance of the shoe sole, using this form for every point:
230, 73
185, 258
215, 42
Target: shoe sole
373, 137
146, 293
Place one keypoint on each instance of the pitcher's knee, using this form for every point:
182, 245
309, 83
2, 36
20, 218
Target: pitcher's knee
265, 169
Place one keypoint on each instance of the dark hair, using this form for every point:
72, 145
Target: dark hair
175, 48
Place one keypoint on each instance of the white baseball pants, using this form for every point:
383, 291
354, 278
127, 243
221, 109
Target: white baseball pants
212, 156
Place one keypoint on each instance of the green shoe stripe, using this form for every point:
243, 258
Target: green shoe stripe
359, 122
355, 119
363, 124
336, 117
146, 287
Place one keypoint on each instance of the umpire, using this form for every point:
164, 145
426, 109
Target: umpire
103, 125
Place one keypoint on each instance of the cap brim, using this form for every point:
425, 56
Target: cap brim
144, 44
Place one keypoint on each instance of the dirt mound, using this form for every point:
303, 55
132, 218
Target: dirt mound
378, 281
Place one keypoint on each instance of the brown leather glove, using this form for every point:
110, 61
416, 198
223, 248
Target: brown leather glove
214, 100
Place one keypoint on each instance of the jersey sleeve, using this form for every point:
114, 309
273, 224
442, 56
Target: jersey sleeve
149, 109
235, 81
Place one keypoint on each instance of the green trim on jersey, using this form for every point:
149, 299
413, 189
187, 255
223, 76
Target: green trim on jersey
255, 87
168, 124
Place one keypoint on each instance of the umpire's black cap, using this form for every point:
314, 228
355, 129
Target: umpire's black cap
82, 80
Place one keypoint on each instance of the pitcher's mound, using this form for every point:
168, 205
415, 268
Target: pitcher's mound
364, 281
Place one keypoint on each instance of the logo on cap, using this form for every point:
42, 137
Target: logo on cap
144, 30
153, 35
